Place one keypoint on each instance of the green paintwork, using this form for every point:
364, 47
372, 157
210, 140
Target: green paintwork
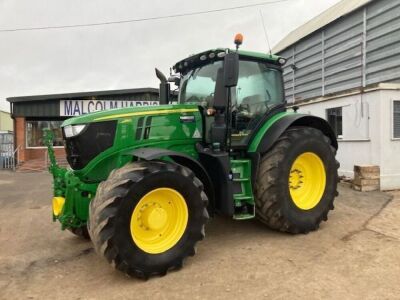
58, 173
115, 113
259, 55
263, 130
243, 168
76, 208
166, 131
69, 186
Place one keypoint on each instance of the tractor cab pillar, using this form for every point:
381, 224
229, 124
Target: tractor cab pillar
227, 78
231, 177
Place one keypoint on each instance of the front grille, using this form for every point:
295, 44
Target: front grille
94, 139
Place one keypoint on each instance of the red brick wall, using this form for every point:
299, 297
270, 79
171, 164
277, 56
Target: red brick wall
19, 125
40, 153
28, 154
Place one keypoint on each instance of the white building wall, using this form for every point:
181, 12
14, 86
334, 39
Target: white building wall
390, 147
367, 132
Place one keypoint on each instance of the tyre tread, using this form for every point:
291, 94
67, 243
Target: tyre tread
104, 209
268, 208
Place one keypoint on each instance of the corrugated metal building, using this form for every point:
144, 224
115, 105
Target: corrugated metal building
344, 66
354, 44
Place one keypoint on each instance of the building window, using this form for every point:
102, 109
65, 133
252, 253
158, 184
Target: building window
34, 133
334, 116
396, 119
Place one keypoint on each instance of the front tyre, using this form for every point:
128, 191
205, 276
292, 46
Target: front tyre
297, 181
147, 217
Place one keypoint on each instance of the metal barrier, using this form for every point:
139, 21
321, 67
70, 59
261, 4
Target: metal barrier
10, 160
9, 157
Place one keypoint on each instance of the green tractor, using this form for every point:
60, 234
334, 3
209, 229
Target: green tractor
144, 180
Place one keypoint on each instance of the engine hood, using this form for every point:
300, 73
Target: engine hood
122, 113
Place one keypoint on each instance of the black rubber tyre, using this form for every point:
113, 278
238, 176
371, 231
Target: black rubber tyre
116, 198
81, 232
274, 204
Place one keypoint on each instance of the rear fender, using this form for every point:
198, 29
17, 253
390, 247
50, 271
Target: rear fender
268, 135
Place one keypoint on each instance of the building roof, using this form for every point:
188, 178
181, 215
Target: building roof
81, 95
340, 9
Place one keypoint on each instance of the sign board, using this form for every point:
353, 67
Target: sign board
70, 108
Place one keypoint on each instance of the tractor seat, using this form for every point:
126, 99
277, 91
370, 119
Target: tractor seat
253, 104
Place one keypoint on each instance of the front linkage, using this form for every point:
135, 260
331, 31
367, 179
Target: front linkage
71, 196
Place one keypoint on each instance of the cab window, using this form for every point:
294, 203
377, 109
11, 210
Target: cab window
259, 87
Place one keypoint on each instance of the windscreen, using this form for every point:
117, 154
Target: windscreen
259, 86
198, 85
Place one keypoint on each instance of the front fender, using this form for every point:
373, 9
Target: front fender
184, 160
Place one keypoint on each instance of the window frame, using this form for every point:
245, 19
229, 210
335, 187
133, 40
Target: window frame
392, 112
246, 138
338, 136
38, 120
268, 65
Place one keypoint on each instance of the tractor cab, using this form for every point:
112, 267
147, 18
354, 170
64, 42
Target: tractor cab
257, 89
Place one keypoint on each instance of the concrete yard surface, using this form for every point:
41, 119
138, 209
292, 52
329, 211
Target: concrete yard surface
355, 255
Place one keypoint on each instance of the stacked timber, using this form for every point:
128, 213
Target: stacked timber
366, 178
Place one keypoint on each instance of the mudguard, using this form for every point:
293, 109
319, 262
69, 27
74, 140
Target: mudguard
276, 126
184, 160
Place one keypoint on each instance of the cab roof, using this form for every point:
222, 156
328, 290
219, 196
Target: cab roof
217, 54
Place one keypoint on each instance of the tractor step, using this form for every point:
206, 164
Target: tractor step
241, 217
240, 179
242, 189
243, 198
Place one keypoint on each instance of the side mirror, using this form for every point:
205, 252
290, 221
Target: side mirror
165, 90
226, 77
231, 69
220, 92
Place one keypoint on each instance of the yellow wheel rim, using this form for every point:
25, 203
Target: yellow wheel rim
159, 220
307, 180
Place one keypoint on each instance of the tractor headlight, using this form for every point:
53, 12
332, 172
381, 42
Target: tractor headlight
73, 130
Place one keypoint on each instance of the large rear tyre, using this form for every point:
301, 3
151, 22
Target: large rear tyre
147, 217
297, 181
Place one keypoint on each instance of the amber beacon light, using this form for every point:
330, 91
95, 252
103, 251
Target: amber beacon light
238, 40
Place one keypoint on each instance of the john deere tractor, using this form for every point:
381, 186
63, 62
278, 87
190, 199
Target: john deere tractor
143, 181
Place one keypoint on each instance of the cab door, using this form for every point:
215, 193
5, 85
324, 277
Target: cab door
259, 88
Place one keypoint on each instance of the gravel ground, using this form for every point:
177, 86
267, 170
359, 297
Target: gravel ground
355, 255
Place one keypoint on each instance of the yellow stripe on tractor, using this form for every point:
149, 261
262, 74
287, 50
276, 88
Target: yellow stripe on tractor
145, 113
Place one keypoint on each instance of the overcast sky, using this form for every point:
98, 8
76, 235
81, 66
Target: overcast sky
124, 55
